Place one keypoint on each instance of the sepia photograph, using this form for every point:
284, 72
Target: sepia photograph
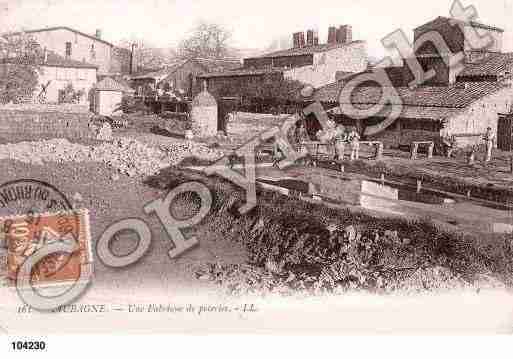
231, 167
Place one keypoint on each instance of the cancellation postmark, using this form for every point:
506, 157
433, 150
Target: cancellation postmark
35, 215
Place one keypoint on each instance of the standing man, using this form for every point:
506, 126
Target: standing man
340, 141
488, 138
354, 141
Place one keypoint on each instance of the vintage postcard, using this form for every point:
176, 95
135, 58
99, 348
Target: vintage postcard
199, 167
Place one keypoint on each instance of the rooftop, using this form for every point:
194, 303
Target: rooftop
307, 50
412, 112
207, 64
457, 96
63, 28
108, 84
492, 65
243, 72
56, 60
470, 23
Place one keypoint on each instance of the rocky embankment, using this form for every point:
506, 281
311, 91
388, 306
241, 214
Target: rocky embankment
127, 156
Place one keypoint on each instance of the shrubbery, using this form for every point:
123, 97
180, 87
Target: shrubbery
298, 246
70, 95
20, 68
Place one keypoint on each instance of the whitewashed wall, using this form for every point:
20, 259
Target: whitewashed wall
60, 77
350, 58
55, 40
469, 126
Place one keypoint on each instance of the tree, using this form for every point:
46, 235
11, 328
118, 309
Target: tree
207, 40
20, 56
271, 91
146, 56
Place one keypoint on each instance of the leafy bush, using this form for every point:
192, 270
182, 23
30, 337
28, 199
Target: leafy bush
130, 104
70, 95
20, 67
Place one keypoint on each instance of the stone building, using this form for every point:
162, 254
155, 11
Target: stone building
309, 62
182, 75
57, 73
76, 45
460, 103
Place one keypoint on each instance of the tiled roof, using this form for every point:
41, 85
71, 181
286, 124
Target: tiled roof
214, 64
108, 84
471, 23
307, 50
56, 60
457, 96
412, 112
242, 72
493, 65
207, 64
159, 75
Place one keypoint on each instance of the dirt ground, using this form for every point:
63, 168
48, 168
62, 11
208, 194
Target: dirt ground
108, 202
496, 172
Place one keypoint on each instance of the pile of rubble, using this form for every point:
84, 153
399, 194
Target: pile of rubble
128, 156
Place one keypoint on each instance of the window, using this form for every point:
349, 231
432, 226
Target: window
68, 49
71, 74
61, 73
82, 74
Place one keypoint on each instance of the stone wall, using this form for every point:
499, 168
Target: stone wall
350, 58
469, 126
242, 126
16, 126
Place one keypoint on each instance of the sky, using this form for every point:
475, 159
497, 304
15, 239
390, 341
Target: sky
255, 24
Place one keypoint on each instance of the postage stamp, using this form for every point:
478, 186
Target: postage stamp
26, 234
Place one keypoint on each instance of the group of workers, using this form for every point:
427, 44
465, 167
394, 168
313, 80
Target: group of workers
449, 143
337, 135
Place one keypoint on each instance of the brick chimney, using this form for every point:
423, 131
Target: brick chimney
295, 38
332, 35
302, 42
99, 33
316, 38
309, 37
344, 34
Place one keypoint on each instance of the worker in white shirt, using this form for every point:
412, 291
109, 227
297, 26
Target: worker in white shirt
340, 141
354, 140
488, 138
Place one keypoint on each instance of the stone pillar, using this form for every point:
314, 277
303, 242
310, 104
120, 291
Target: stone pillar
204, 114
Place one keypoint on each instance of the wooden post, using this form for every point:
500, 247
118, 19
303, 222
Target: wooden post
379, 151
382, 179
430, 149
413, 153
471, 157
419, 185
468, 194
